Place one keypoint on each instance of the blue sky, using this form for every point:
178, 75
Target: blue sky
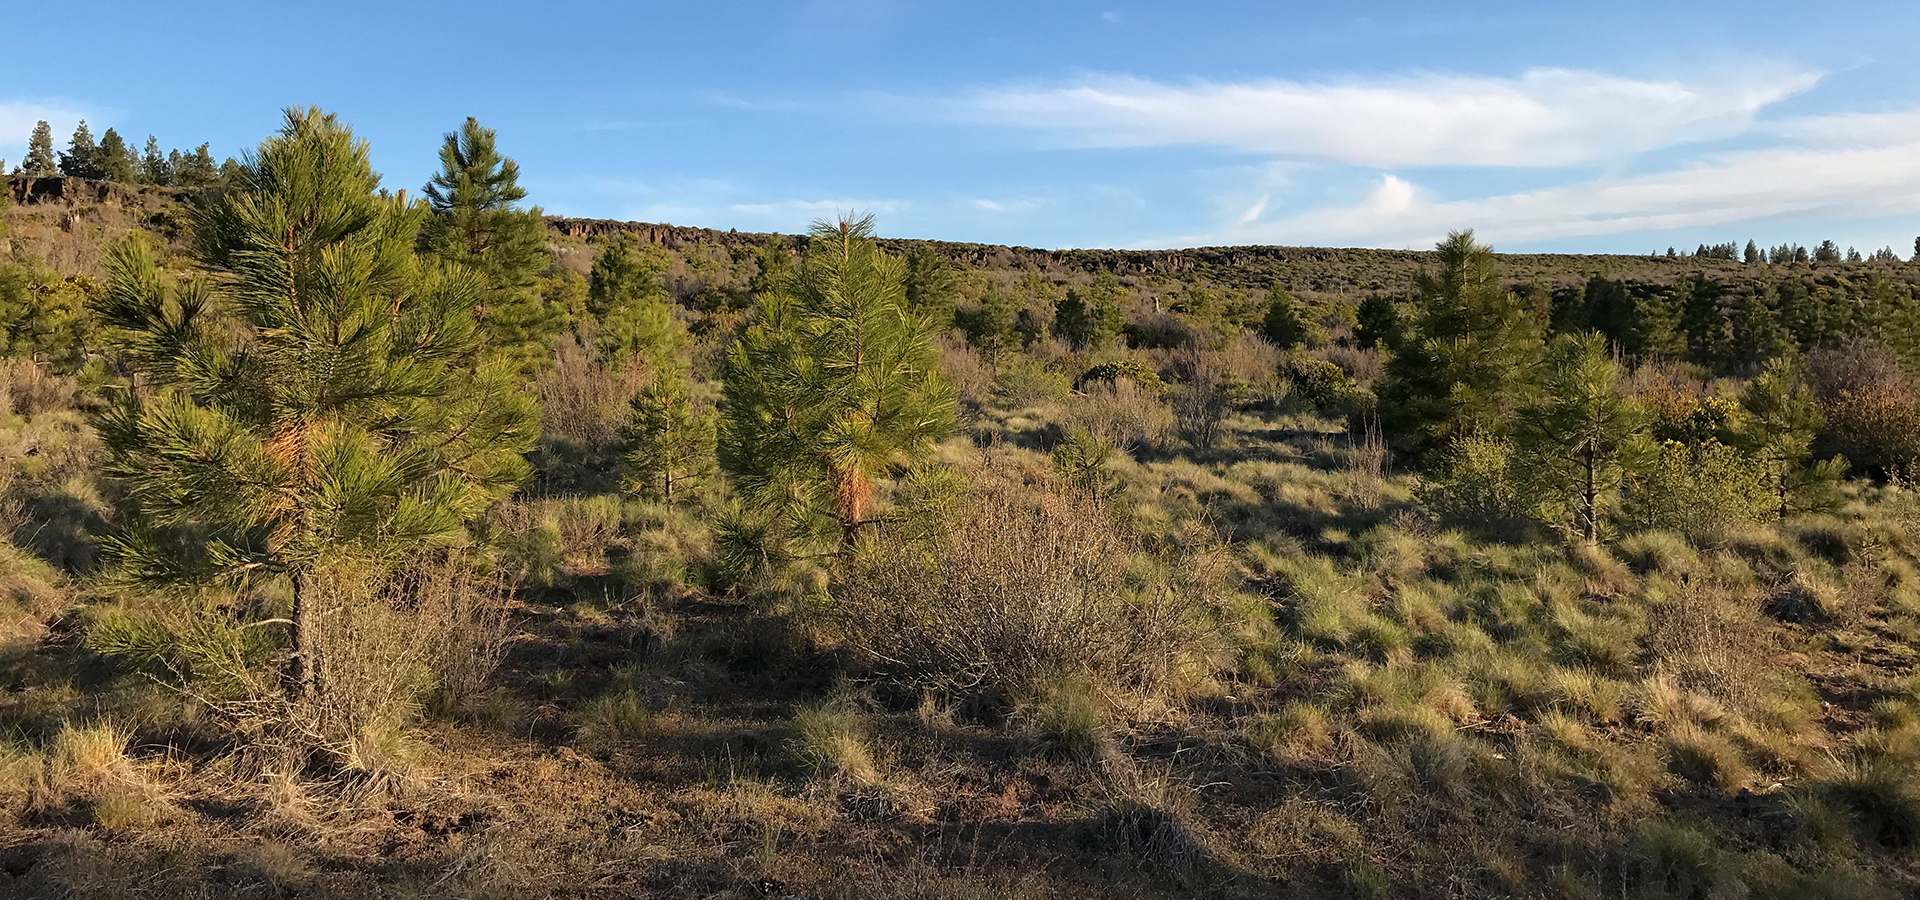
1602, 127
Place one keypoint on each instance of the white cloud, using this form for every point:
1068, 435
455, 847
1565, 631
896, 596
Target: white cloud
1546, 117
1808, 182
17, 119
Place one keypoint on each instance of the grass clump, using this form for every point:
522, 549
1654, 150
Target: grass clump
832, 743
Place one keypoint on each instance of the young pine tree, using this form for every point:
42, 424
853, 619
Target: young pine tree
931, 286
1471, 361
82, 157
478, 223
1578, 439
39, 162
1282, 326
321, 399
834, 386
635, 316
1091, 317
668, 444
1783, 418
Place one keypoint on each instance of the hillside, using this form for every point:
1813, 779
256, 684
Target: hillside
670, 562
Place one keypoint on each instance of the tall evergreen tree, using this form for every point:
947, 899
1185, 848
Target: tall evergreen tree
39, 162
321, 399
1654, 332
1575, 443
834, 386
154, 167
1752, 255
993, 328
634, 314
115, 160
82, 157
478, 223
1378, 323
196, 170
1471, 361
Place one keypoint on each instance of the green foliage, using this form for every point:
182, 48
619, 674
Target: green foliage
1085, 463
1320, 384
1379, 323
39, 162
114, 160
1133, 370
1696, 489
1470, 364
82, 156
993, 327
1090, 318
835, 385
931, 286
323, 398
1474, 482
1783, 418
668, 445
1577, 441
1282, 325
635, 315
45, 318
478, 224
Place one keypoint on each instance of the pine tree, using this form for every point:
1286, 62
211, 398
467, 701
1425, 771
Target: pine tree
1752, 255
82, 158
321, 399
1575, 443
154, 168
668, 445
1091, 317
40, 162
116, 161
1756, 333
1653, 332
196, 170
636, 321
931, 286
1783, 418
994, 327
835, 385
1378, 323
478, 224
1471, 361
1282, 326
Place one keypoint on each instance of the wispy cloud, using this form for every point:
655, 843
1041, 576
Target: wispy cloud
17, 118
1546, 117
1812, 182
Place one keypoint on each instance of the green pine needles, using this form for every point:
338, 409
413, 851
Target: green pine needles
322, 397
836, 385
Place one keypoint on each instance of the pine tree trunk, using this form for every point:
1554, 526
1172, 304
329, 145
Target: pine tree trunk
1592, 514
302, 668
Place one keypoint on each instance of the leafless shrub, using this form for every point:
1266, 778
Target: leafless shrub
583, 400
1363, 365
972, 376
386, 643
1120, 411
28, 389
1710, 640
1020, 586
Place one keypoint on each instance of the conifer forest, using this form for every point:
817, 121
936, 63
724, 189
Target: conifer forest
374, 540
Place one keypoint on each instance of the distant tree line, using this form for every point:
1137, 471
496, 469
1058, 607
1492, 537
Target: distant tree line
111, 158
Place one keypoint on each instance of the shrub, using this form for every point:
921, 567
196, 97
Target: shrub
1123, 413
1474, 483
1321, 385
831, 742
1142, 375
1696, 489
1020, 587
391, 642
1024, 381
1871, 406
